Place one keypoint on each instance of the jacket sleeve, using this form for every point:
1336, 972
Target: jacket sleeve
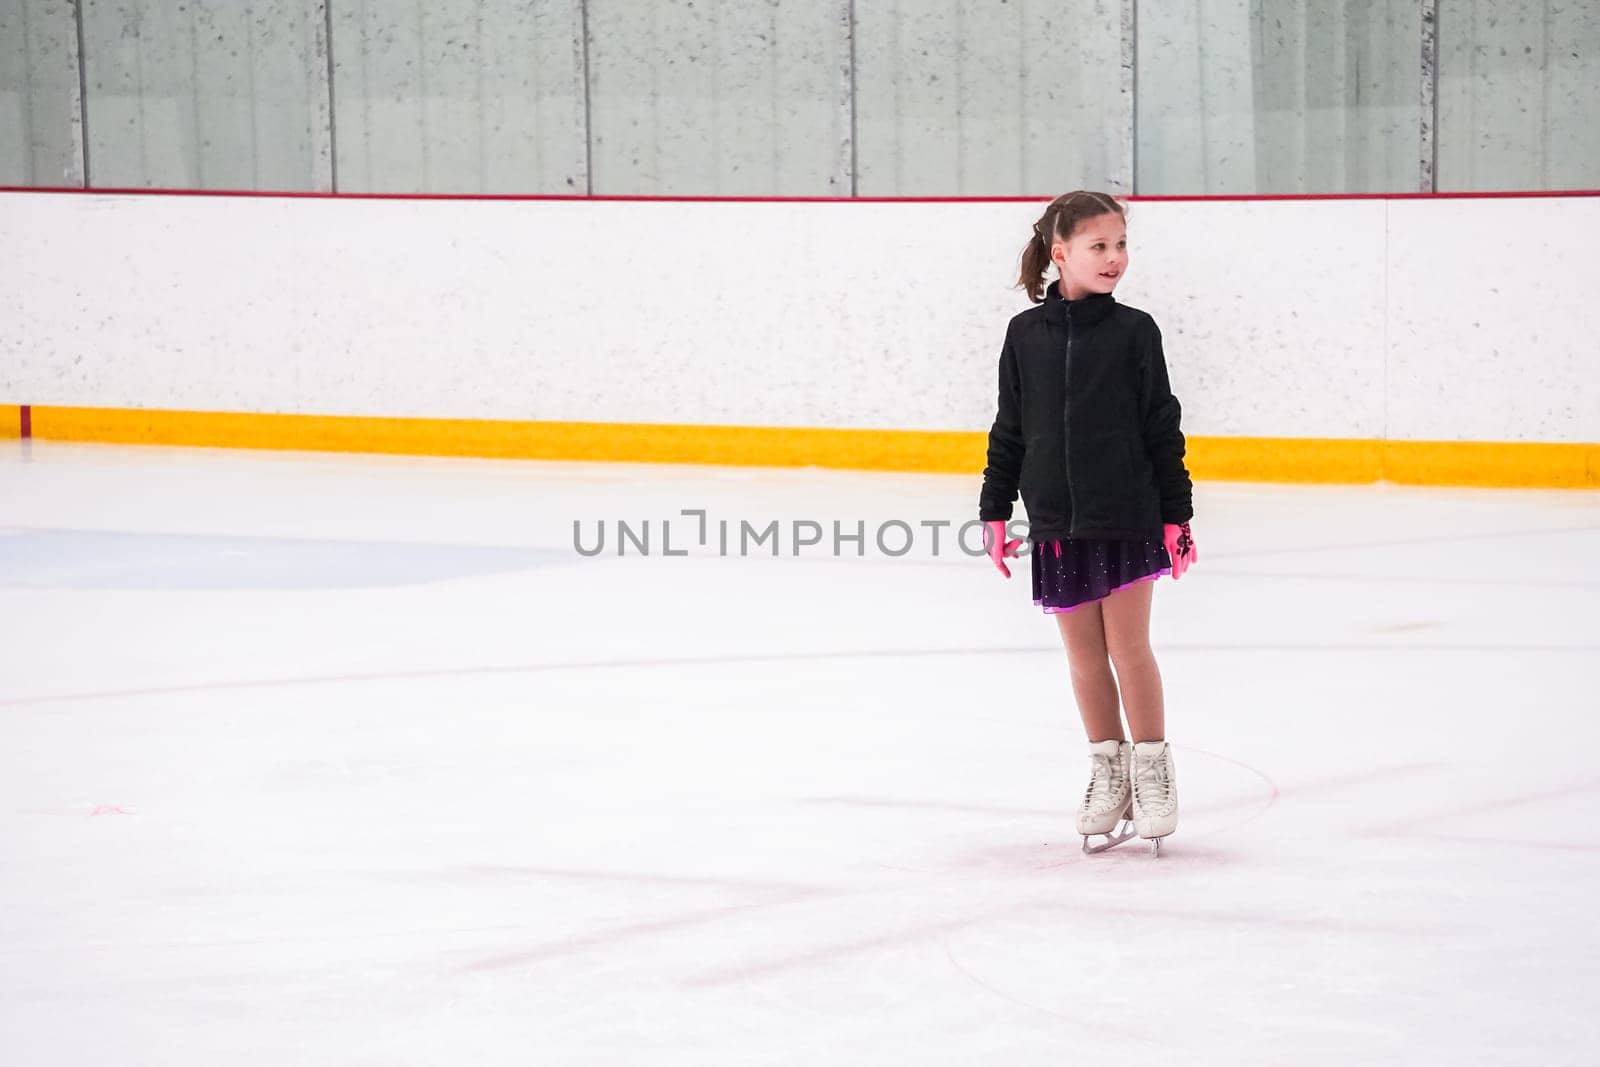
1005, 442
1163, 440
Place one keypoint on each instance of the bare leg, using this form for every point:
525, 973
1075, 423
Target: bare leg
1092, 684
1127, 632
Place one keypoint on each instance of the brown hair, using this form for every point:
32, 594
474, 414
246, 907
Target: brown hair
1057, 224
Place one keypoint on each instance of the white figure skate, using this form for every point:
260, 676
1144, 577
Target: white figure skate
1107, 799
1155, 792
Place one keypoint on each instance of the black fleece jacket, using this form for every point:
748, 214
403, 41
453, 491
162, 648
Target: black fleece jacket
1087, 426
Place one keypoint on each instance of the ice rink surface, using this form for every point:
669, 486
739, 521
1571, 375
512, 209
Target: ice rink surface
315, 759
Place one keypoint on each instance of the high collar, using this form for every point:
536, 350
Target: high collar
1089, 308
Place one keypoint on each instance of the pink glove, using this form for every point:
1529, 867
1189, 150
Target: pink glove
994, 539
1181, 547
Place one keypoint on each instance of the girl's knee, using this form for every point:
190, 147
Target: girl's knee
1132, 656
1090, 667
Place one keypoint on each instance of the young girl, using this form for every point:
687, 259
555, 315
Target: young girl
1087, 430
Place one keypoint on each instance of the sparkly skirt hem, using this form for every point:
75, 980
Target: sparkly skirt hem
1048, 610
1068, 574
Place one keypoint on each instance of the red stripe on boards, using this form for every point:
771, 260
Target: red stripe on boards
301, 195
27, 422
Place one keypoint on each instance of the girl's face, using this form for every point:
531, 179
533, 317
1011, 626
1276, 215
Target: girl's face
1094, 258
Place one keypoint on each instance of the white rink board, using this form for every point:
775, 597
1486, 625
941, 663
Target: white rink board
1434, 320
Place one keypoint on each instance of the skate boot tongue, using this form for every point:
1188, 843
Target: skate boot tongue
1104, 748
1148, 748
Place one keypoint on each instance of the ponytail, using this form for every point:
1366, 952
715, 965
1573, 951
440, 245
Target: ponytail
1035, 261
1057, 224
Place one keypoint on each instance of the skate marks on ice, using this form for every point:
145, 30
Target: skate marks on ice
1035, 939
96, 560
854, 950
1504, 819
471, 672
1219, 796
83, 810
1070, 957
884, 949
511, 670
715, 899
1423, 540
828, 952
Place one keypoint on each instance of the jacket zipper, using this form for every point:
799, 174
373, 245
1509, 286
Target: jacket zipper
1066, 428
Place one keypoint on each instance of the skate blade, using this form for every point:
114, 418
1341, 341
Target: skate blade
1155, 844
1116, 837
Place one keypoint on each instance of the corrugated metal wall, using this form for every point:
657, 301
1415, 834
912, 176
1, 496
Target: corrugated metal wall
826, 97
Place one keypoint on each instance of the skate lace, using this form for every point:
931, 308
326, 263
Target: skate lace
1152, 784
1105, 782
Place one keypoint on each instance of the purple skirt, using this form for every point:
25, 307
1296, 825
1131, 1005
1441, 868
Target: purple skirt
1070, 573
